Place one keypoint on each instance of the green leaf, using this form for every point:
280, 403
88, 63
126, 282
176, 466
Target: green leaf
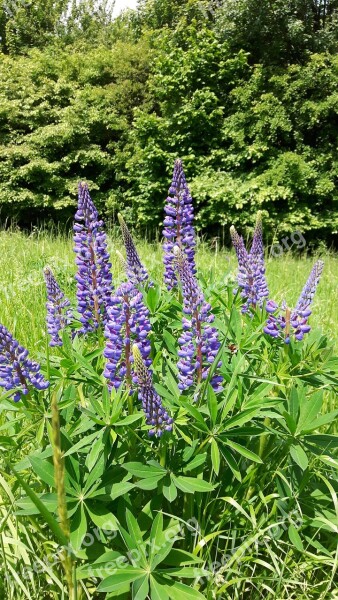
44, 469
102, 517
169, 489
299, 456
190, 485
142, 471
180, 591
232, 463
157, 590
141, 588
78, 527
197, 461
215, 456
212, 404
295, 538
243, 451
124, 575
178, 557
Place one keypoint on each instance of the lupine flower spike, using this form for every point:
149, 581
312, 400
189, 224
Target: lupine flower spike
94, 279
58, 313
251, 267
127, 322
156, 415
199, 343
135, 270
284, 322
17, 372
178, 225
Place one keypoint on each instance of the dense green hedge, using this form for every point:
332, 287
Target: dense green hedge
168, 81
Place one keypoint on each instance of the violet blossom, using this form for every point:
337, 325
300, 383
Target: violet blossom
251, 267
94, 279
58, 313
17, 371
128, 322
178, 225
199, 343
135, 270
156, 415
287, 323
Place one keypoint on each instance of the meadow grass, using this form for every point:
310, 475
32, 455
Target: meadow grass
23, 296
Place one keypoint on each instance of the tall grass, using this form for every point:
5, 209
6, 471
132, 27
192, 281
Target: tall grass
22, 289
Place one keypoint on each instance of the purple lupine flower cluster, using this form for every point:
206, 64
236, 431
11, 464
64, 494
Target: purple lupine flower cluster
128, 321
58, 313
94, 279
136, 272
178, 225
17, 371
251, 267
284, 322
199, 343
156, 415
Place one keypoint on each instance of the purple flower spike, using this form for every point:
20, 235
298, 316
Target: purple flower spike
17, 372
135, 270
251, 267
178, 225
199, 343
284, 322
128, 322
156, 415
58, 313
94, 279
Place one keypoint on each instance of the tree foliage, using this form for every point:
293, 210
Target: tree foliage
244, 92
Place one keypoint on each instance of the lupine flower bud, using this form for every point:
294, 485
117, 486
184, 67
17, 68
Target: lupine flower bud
199, 343
178, 229
251, 267
17, 372
94, 279
156, 415
284, 322
135, 270
128, 321
58, 313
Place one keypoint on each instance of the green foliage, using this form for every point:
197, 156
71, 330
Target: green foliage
244, 92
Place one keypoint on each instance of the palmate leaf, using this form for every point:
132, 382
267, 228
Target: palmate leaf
242, 450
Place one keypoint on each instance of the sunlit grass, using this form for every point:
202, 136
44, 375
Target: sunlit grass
22, 290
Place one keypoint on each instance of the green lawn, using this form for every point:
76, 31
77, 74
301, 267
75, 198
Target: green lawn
22, 290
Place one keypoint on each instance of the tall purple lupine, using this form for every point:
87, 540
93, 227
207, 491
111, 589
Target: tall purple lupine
251, 267
94, 279
178, 225
284, 322
199, 343
136, 272
17, 371
128, 322
58, 312
156, 415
